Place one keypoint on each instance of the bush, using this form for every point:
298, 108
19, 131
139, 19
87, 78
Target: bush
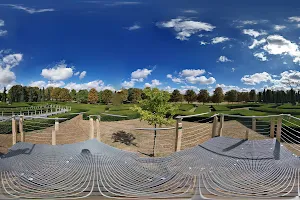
186, 107
220, 108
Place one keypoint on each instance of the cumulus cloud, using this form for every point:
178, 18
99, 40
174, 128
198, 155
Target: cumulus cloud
253, 33
200, 80
290, 78
256, 78
217, 40
294, 19
141, 74
185, 28
12, 60
133, 27
154, 83
59, 72
174, 79
192, 72
2, 22
82, 75
3, 33
233, 87
44, 84
190, 11
278, 45
7, 76
261, 56
279, 27
224, 59
257, 43
29, 10
97, 84
128, 84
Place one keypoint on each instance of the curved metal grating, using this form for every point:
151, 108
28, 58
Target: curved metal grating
222, 167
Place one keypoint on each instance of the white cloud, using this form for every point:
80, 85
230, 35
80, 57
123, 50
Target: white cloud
59, 72
233, 87
200, 80
154, 83
257, 43
185, 28
6, 76
128, 84
82, 75
261, 56
224, 59
254, 33
2, 22
174, 79
219, 40
233, 69
192, 72
76, 74
290, 78
188, 87
133, 27
279, 27
203, 43
29, 10
190, 11
43, 84
12, 60
141, 74
97, 84
256, 78
294, 19
123, 3
278, 45
3, 33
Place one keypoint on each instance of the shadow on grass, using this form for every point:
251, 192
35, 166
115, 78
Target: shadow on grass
124, 138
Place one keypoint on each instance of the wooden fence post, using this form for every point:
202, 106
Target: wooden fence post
221, 124
56, 126
278, 128
14, 130
21, 123
91, 128
272, 128
214, 128
98, 129
53, 137
178, 134
253, 124
247, 134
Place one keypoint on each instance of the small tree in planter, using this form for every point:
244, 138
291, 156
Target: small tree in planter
156, 109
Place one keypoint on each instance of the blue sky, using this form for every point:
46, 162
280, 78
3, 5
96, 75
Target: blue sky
160, 43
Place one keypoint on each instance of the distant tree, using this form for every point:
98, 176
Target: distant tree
100, 97
55, 93
15, 93
64, 95
123, 95
231, 96
292, 96
203, 96
176, 96
156, 109
218, 95
264, 97
73, 94
190, 96
93, 96
269, 96
43, 95
243, 97
48, 91
259, 97
134, 95
4, 96
39, 95
107, 96
82, 96
253, 96
117, 99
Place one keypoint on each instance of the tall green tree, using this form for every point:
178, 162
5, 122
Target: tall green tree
4, 95
134, 94
176, 96
82, 96
73, 94
253, 96
190, 96
55, 93
123, 95
107, 96
156, 109
231, 96
218, 95
203, 96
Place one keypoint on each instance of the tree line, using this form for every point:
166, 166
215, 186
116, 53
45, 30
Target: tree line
19, 93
